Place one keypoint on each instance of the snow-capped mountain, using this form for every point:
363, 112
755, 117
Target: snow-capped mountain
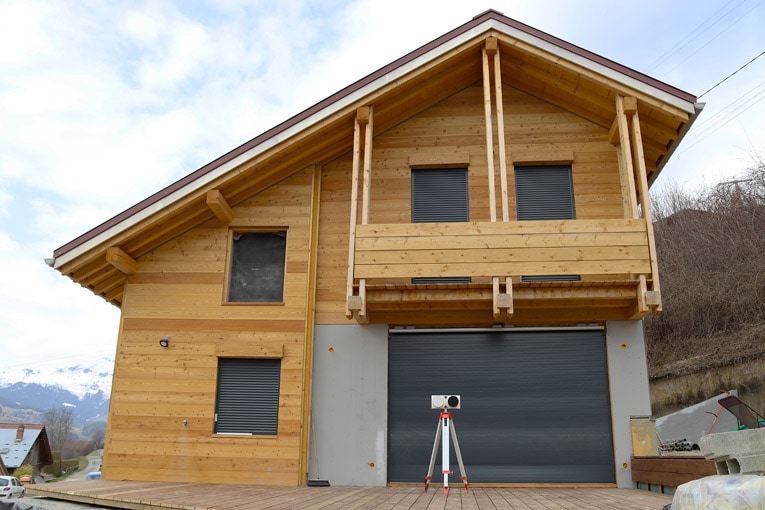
86, 387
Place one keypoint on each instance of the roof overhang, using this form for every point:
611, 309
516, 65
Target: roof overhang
511, 32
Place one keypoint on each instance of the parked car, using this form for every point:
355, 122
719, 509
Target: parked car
10, 487
93, 475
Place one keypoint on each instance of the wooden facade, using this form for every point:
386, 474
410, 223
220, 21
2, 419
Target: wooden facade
491, 96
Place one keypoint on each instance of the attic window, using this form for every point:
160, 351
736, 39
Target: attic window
257, 267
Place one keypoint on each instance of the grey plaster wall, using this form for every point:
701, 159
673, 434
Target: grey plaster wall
349, 407
628, 379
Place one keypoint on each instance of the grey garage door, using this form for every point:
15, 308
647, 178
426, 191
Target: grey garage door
535, 405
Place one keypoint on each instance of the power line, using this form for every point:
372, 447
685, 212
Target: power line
731, 74
685, 41
715, 37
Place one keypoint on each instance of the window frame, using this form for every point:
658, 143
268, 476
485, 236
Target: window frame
227, 298
224, 403
570, 183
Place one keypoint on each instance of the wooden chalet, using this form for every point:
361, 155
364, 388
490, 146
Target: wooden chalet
471, 219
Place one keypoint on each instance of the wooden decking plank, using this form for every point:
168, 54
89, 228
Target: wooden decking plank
163, 496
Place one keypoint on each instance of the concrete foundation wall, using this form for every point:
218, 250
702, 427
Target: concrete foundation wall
350, 407
628, 379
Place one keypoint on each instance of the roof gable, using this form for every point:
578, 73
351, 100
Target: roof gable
534, 62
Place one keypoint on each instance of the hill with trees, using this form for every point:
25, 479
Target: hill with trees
711, 334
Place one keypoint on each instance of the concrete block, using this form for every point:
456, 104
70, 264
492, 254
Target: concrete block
752, 464
730, 444
737, 452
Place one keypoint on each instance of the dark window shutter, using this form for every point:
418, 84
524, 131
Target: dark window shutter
440, 195
544, 193
248, 396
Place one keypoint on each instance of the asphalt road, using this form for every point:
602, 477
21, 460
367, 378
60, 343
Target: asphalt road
45, 503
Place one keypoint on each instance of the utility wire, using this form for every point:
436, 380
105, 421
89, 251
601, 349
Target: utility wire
726, 115
685, 41
731, 74
715, 37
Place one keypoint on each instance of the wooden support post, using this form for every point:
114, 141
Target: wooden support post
366, 207
121, 260
509, 292
489, 132
351, 299
626, 157
500, 134
217, 203
641, 177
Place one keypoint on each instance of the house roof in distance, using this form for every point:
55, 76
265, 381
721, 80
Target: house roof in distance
529, 56
13, 451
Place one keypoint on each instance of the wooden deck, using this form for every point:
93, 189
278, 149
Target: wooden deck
156, 496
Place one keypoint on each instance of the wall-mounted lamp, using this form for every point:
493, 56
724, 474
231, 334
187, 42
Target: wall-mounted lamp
164, 341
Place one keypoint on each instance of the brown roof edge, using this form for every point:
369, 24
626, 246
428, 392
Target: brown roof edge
479, 19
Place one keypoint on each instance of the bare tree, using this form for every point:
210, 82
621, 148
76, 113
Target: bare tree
58, 423
98, 437
711, 249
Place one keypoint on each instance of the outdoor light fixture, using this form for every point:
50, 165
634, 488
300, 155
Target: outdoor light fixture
164, 341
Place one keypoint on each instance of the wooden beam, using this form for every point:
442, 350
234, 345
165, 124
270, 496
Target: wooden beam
310, 317
630, 105
217, 203
501, 138
491, 45
489, 135
351, 303
367, 182
628, 176
363, 114
645, 205
121, 260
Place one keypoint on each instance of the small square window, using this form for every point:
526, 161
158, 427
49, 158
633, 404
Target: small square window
257, 267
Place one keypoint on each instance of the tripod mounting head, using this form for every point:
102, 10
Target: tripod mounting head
445, 401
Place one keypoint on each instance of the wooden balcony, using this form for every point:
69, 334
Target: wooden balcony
611, 258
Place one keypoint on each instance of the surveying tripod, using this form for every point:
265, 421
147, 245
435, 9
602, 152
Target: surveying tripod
443, 431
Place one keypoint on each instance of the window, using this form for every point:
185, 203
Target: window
257, 267
440, 196
545, 193
247, 400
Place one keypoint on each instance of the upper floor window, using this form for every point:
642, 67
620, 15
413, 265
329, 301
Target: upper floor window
440, 195
256, 273
544, 193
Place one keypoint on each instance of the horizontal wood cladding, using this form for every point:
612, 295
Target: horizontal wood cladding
670, 471
502, 249
162, 409
452, 132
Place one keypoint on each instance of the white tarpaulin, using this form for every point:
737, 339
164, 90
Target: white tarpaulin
721, 492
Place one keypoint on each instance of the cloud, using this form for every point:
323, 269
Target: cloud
105, 103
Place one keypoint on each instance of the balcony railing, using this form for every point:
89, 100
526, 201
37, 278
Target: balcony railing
495, 255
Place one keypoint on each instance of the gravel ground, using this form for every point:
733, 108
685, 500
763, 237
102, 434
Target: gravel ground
55, 504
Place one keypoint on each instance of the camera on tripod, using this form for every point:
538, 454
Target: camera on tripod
445, 401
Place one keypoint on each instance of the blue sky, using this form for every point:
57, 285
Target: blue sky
104, 103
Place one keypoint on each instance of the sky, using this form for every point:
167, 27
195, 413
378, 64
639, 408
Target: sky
103, 103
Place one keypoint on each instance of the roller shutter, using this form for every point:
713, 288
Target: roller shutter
535, 405
248, 396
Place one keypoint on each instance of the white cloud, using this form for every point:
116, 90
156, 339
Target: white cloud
104, 103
